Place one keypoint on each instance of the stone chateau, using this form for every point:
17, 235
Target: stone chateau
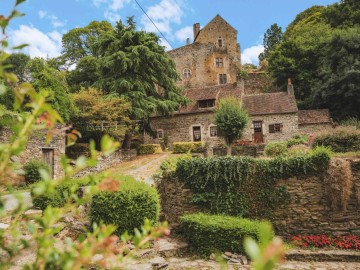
210, 70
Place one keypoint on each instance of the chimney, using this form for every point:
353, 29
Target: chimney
290, 87
187, 41
196, 29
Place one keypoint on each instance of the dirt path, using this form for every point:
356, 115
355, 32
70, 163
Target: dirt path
142, 168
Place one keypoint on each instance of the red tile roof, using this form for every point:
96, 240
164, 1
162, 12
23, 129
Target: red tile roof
270, 103
307, 117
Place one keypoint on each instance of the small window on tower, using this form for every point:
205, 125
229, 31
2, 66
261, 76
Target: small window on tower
220, 42
222, 79
219, 62
187, 73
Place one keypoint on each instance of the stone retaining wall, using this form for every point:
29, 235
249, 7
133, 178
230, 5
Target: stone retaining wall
308, 211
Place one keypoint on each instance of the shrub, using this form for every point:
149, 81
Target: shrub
298, 150
61, 195
145, 149
275, 149
127, 208
341, 139
77, 150
296, 140
185, 147
32, 173
218, 233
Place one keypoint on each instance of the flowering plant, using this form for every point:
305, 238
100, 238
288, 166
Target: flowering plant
320, 241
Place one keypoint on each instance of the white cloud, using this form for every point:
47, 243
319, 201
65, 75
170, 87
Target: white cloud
42, 14
55, 22
163, 14
40, 44
118, 4
111, 16
184, 33
98, 3
166, 44
250, 55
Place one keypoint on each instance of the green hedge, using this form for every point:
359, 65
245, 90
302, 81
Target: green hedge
243, 186
77, 150
145, 149
31, 170
342, 139
185, 147
61, 195
275, 149
126, 208
218, 233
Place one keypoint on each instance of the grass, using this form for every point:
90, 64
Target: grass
355, 154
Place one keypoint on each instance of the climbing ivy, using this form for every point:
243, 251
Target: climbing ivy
243, 186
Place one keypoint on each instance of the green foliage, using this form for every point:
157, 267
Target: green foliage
187, 147
77, 150
126, 208
18, 62
341, 139
246, 187
296, 140
352, 122
231, 119
218, 233
272, 37
275, 149
32, 171
145, 149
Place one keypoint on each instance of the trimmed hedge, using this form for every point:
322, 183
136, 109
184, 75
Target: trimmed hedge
61, 195
275, 149
218, 233
32, 173
126, 208
185, 147
145, 149
341, 139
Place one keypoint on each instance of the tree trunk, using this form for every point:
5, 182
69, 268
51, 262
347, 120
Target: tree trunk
127, 141
228, 150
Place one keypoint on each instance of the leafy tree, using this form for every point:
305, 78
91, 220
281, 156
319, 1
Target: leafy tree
231, 119
47, 79
135, 66
18, 62
272, 37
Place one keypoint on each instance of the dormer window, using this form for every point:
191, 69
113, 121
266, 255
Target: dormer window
187, 73
206, 103
220, 42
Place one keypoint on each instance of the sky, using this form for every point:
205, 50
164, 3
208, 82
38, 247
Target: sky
47, 20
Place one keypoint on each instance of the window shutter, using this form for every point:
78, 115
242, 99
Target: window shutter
272, 128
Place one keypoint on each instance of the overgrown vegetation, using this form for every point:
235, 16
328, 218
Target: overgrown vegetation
275, 149
126, 206
32, 171
246, 187
187, 147
146, 149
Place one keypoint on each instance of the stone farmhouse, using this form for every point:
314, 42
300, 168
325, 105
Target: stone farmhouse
210, 70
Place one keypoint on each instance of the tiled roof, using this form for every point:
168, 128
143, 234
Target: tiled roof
314, 116
270, 103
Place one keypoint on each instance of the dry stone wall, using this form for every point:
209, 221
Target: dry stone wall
308, 211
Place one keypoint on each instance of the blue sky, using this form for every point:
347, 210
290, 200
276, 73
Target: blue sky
47, 20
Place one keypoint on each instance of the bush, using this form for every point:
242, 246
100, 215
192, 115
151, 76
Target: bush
146, 149
218, 233
77, 150
275, 149
126, 208
61, 195
296, 140
341, 139
186, 147
32, 173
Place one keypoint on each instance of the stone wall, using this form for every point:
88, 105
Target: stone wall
308, 211
259, 82
106, 162
36, 147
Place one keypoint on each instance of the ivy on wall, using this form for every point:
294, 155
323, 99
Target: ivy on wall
246, 187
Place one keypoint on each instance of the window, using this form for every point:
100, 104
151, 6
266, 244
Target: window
160, 134
187, 73
206, 103
222, 79
275, 128
220, 42
219, 62
213, 131
196, 134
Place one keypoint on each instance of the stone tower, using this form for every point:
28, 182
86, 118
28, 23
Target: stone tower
212, 59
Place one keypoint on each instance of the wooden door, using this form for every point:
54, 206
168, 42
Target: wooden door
48, 157
197, 134
258, 132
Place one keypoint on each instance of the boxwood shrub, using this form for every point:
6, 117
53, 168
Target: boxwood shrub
341, 139
218, 233
145, 149
185, 147
126, 208
31, 170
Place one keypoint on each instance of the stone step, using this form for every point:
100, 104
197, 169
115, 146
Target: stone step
324, 255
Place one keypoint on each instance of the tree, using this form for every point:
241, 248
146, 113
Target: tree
135, 66
231, 119
47, 79
272, 37
18, 62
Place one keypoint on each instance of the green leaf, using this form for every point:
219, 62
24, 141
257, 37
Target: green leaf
19, 47
18, 2
252, 248
3, 89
